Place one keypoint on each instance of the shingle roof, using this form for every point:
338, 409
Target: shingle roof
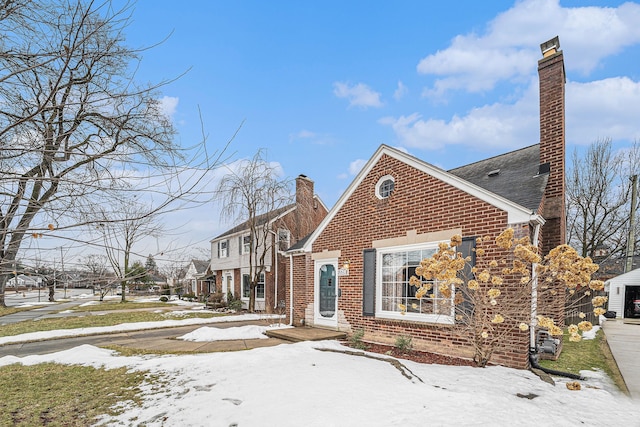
261, 219
299, 244
200, 266
514, 176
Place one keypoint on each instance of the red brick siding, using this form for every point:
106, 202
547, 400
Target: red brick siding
422, 203
552, 147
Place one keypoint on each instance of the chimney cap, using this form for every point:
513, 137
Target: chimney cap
550, 46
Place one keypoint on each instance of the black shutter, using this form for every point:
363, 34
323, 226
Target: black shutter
466, 248
369, 282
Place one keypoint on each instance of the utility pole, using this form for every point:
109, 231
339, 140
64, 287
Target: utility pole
63, 278
632, 224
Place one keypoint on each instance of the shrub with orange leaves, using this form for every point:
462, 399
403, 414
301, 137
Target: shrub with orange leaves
494, 301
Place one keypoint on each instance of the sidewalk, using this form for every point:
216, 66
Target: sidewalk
41, 312
624, 342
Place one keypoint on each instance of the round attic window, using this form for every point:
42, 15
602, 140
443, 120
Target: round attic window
385, 187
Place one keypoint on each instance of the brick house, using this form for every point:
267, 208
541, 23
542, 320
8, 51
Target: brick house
287, 225
353, 270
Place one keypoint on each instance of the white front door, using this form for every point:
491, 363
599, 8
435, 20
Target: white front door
326, 293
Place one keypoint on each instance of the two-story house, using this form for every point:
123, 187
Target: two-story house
287, 226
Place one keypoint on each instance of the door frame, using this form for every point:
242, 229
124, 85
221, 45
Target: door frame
331, 322
227, 284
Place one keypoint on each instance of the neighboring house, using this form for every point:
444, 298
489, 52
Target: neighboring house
353, 271
199, 280
624, 294
613, 267
23, 281
289, 224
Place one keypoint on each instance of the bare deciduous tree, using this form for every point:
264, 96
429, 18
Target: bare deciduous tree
99, 277
76, 130
253, 194
598, 198
121, 230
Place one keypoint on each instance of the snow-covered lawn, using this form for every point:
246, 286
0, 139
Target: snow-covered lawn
300, 385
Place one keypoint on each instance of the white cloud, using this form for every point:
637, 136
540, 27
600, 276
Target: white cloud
303, 134
356, 166
169, 105
400, 91
359, 95
496, 125
603, 108
508, 49
307, 136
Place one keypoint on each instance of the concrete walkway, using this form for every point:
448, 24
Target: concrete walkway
624, 341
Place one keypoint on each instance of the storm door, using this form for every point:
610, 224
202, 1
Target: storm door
326, 293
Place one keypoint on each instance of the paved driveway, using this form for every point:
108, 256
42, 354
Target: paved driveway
624, 342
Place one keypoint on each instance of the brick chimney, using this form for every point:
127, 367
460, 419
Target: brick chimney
552, 142
304, 190
306, 207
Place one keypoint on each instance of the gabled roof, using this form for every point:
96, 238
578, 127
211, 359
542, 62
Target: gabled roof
260, 219
517, 213
200, 266
515, 176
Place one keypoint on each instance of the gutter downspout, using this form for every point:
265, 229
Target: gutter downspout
290, 289
533, 350
276, 252
534, 294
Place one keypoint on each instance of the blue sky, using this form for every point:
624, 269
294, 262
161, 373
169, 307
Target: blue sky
321, 85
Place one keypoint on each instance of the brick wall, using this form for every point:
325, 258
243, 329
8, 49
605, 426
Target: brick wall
421, 203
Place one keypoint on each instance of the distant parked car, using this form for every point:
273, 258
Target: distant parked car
635, 310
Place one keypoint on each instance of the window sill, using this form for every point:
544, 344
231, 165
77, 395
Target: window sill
432, 319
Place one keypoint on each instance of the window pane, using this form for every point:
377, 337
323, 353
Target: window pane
397, 269
386, 188
245, 286
414, 257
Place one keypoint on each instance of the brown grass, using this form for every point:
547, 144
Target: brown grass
60, 395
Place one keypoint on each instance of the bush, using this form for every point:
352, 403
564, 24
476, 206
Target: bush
164, 298
189, 297
404, 343
235, 304
356, 340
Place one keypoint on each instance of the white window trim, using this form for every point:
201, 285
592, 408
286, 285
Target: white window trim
244, 250
226, 249
408, 316
379, 185
243, 298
